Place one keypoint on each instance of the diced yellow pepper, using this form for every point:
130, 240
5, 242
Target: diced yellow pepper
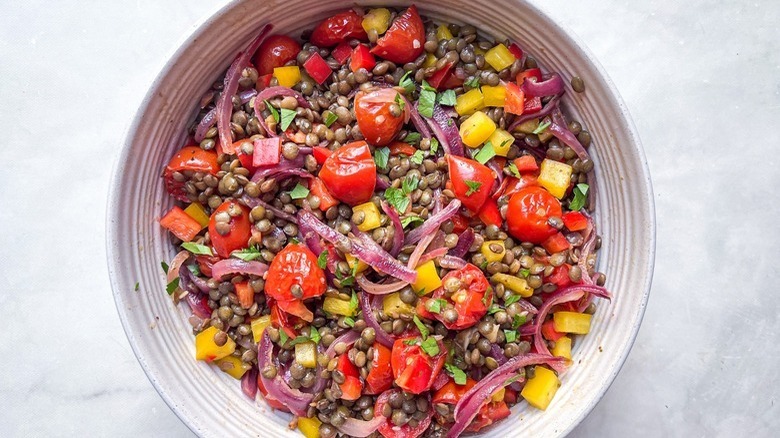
430, 60
231, 365
498, 395
499, 57
540, 390
555, 177
529, 126
377, 19
476, 129
469, 102
197, 212
572, 322
515, 284
489, 254
501, 140
494, 96
427, 278
306, 354
337, 306
208, 350
371, 219
443, 33
287, 76
351, 260
562, 348
258, 327
545, 135
394, 306
309, 427
478, 51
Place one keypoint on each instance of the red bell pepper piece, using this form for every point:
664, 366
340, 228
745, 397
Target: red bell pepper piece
320, 154
549, 333
516, 50
380, 378
180, 224
489, 213
362, 58
351, 388
267, 151
264, 81
460, 223
317, 68
319, 190
532, 105
575, 221
556, 243
526, 163
399, 147
530, 73
341, 53
513, 103
441, 75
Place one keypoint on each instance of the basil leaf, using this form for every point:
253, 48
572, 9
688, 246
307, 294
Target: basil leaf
314, 335
274, 111
411, 220
349, 321
494, 308
525, 272
434, 145
381, 156
473, 187
412, 138
473, 82
486, 153
164, 267
353, 301
283, 337
513, 170
512, 299
426, 86
510, 335
580, 196
407, 83
330, 118
518, 320
172, 286
410, 184
137, 285
322, 260
400, 101
248, 254
420, 326
426, 102
417, 158
288, 116
457, 374
197, 249
430, 346
397, 198
299, 192
447, 98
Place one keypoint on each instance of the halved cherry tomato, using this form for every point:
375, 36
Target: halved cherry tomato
191, 158
349, 173
282, 320
295, 265
362, 58
237, 236
180, 224
451, 393
275, 51
515, 99
489, 213
341, 53
414, 371
338, 29
389, 430
560, 276
320, 154
247, 160
319, 190
530, 73
515, 184
399, 147
526, 163
556, 243
403, 42
549, 332
380, 378
471, 300
489, 414
529, 210
575, 221
471, 181
372, 110
352, 387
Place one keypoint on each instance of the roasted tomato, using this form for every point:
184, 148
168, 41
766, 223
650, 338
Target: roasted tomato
389, 430
338, 28
275, 51
403, 42
489, 414
237, 231
295, 267
451, 393
529, 210
471, 181
471, 297
349, 173
378, 115
189, 158
352, 387
380, 378
413, 369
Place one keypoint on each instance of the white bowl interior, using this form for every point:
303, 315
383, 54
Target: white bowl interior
209, 401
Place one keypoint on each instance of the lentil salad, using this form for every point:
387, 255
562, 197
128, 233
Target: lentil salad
386, 228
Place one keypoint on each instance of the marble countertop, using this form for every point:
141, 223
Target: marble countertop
701, 78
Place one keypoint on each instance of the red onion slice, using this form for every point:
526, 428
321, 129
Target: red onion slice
205, 124
236, 266
295, 400
372, 288
432, 255
559, 129
433, 223
368, 315
465, 240
199, 304
254, 202
359, 428
547, 109
450, 262
284, 166
414, 258
247, 95
552, 86
398, 229
349, 337
446, 130
178, 260
249, 383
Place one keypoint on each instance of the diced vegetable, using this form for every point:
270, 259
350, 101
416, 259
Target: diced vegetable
499, 57
393, 305
443, 33
555, 177
572, 322
197, 212
232, 366
337, 306
530, 73
428, 279
532, 105
180, 224
498, 395
318, 189
341, 52
494, 96
287, 76
556, 243
549, 332
258, 327
526, 163
317, 68
516, 50
377, 19
476, 129
574, 221
540, 389
306, 354
501, 140
514, 103
352, 260
490, 255
529, 126
517, 285
430, 60
372, 218
245, 294
469, 102
309, 427
489, 213
362, 58
267, 151
208, 350
562, 348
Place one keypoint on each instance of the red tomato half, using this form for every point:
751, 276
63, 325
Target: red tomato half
294, 265
191, 158
471, 300
529, 210
275, 51
403, 42
337, 29
471, 181
388, 430
349, 173
380, 378
372, 111
238, 235
414, 371
489, 414
451, 393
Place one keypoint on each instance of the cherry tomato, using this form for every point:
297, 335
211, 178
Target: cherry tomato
352, 387
295, 265
338, 28
529, 210
282, 320
489, 414
205, 263
389, 430
239, 232
380, 378
471, 181
275, 51
349, 173
403, 42
374, 116
471, 300
413, 369
189, 158
451, 393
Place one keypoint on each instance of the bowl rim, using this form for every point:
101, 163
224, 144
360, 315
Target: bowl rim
198, 28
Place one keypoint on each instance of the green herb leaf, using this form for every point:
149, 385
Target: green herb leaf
473, 187
283, 337
457, 374
411, 341
400, 101
411, 220
353, 301
513, 170
426, 86
512, 299
274, 111
294, 240
300, 340
349, 321
194, 269
397, 198
434, 145
164, 267
426, 102
314, 335
486, 153
412, 138
473, 82
349, 281
299, 192
172, 286
288, 116
483, 265
410, 183
541, 128
381, 156
580, 196
417, 158
249, 254
330, 118
494, 308
435, 305
430, 346
510, 335
518, 320
447, 98
407, 83
525, 272
420, 326
322, 260
136, 286
197, 249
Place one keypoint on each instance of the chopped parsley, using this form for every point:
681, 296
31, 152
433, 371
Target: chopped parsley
410, 183
486, 153
473, 82
349, 321
283, 337
194, 269
457, 374
322, 260
400, 101
430, 346
397, 198
164, 267
249, 254
518, 320
513, 170
412, 138
314, 336
381, 156
434, 145
197, 249
348, 281
541, 128
512, 299
299, 192
407, 83
353, 301
417, 158
447, 98
421, 327
330, 118
525, 272
172, 286
580, 195
510, 335
411, 220
427, 100
494, 308
274, 111
288, 116
435, 305
136, 286
473, 187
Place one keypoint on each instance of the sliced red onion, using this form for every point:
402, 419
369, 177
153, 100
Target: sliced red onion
295, 400
381, 184
547, 109
527, 306
247, 95
176, 263
465, 240
497, 353
254, 202
205, 124
441, 380
284, 166
349, 337
499, 171
450, 262
360, 428
272, 92
370, 318
236, 266
199, 304
417, 119
432, 223
229, 88
372, 288
249, 383
431, 255
414, 258
446, 130
398, 229
552, 86
587, 248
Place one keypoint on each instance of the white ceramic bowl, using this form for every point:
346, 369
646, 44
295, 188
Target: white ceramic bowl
209, 401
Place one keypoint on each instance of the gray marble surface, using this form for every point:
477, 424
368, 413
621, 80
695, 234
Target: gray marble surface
702, 80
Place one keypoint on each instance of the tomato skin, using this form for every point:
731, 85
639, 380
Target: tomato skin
239, 234
372, 111
275, 51
460, 223
349, 173
489, 414
380, 378
191, 158
529, 210
439, 79
337, 29
403, 42
388, 430
526, 163
463, 169
294, 265
351, 388
471, 301
489, 213
320, 154
413, 370
451, 393
575, 221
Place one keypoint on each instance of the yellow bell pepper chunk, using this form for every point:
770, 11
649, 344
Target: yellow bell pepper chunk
394, 306
377, 19
545, 135
337, 306
197, 212
309, 427
469, 102
515, 284
529, 126
351, 260
232, 366
499, 57
572, 322
427, 278
498, 395
494, 96
430, 60
555, 177
258, 327
443, 33
490, 255
562, 348
501, 140
372, 219
306, 354
476, 129
540, 390
287, 76
208, 350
